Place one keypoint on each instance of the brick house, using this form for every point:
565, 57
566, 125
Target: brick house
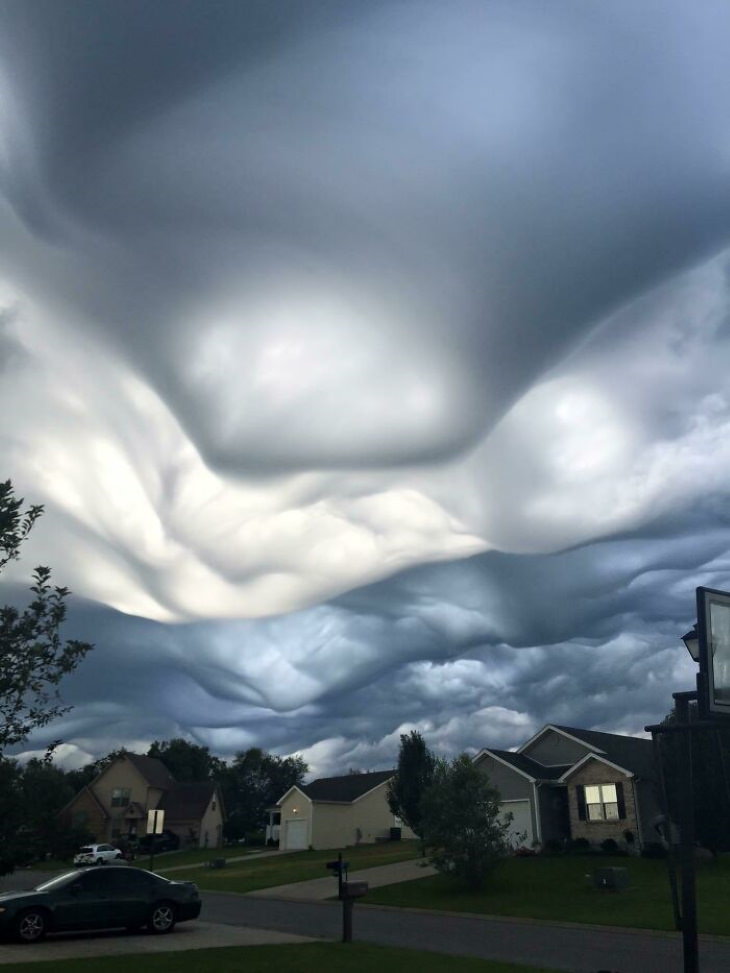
569, 783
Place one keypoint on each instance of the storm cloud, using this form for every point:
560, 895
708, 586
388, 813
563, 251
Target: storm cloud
370, 360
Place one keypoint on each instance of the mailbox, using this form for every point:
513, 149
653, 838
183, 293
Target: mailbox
354, 890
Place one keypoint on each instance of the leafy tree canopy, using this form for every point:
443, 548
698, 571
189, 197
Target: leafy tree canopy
33, 657
253, 782
463, 830
187, 762
412, 778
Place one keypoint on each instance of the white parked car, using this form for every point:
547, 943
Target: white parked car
97, 855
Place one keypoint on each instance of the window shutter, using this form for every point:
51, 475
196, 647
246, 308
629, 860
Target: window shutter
580, 793
620, 800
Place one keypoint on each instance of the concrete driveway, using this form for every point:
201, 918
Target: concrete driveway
188, 935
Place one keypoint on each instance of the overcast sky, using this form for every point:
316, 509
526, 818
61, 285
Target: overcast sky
371, 361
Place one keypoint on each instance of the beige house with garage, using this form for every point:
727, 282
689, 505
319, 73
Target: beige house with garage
334, 812
114, 806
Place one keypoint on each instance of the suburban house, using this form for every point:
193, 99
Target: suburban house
334, 812
568, 783
115, 804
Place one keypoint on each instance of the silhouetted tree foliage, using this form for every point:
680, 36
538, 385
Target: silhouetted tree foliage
33, 657
413, 776
187, 762
253, 782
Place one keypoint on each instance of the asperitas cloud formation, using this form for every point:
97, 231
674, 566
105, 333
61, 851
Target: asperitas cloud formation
370, 360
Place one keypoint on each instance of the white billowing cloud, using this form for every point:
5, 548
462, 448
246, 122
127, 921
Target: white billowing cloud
157, 532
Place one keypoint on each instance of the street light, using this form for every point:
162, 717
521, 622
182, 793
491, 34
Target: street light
692, 641
708, 642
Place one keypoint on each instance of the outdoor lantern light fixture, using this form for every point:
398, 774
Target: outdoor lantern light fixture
692, 641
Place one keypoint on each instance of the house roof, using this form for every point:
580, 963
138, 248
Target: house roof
344, 790
631, 753
527, 765
184, 801
153, 770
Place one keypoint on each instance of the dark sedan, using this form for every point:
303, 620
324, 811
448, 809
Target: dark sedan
100, 899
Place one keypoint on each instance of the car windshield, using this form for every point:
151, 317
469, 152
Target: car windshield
53, 883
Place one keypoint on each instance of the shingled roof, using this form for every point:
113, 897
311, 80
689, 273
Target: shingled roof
153, 770
631, 753
344, 790
529, 766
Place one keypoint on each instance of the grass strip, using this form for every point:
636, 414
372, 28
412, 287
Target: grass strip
294, 958
561, 889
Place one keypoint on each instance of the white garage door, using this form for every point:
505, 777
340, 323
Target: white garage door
520, 829
296, 835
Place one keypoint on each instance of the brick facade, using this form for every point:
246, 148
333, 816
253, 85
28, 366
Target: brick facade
597, 772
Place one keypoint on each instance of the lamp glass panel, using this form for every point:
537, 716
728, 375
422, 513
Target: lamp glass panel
720, 650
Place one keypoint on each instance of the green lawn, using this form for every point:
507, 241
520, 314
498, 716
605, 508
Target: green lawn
299, 866
306, 958
559, 888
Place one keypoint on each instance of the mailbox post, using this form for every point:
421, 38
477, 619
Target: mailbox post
347, 892
350, 892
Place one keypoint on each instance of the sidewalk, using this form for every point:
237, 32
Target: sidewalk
318, 889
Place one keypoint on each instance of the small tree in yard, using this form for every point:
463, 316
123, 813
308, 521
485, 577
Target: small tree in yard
33, 658
412, 778
461, 819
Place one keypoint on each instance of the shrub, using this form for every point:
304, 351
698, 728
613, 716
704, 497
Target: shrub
462, 822
579, 846
610, 847
553, 846
255, 838
653, 849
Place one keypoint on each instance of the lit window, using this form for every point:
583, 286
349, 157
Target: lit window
601, 802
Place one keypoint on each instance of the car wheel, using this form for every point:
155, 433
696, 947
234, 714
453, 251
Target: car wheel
31, 926
162, 918
99, 861
119, 857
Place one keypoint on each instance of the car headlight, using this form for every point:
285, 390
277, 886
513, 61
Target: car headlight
2, 909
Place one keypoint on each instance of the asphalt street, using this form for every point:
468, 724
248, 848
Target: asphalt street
580, 949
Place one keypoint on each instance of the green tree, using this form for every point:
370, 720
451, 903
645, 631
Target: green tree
33, 658
253, 782
413, 776
11, 813
461, 819
187, 762
44, 789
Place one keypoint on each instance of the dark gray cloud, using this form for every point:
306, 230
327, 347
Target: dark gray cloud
371, 360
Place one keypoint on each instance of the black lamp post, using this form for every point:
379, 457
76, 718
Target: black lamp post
708, 642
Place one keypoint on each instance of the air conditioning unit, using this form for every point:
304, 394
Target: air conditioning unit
613, 879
